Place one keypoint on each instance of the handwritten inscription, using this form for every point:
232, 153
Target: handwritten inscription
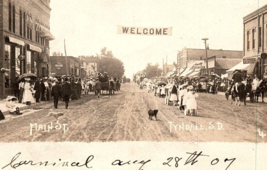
190, 127
15, 164
48, 127
192, 159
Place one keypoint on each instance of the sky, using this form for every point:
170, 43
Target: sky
89, 25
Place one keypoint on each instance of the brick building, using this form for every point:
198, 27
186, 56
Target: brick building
190, 54
219, 66
61, 65
25, 37
255, 40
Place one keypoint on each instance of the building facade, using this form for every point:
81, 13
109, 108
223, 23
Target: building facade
219, 66
65, 65
25, 37
255, 40
189, 55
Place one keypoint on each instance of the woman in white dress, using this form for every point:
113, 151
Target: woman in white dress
190, 99
163, 93
27, 94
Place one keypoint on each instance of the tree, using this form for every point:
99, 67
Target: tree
103, 51
152, 70
108, 63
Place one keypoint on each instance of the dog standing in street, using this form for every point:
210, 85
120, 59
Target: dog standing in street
152, 113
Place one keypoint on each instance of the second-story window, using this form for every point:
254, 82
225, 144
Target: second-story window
248, 42
20, 22
24, 24
9, 16
14, 19
253, 38
259, 37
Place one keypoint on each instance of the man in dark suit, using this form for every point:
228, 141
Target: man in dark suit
56, 93
66, 92
37, 88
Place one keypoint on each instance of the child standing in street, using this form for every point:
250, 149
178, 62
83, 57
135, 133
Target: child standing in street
191, 103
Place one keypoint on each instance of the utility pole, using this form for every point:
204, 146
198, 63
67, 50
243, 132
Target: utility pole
67, 69
207, 69
178, 63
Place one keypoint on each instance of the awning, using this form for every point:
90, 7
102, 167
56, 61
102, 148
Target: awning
16, 41
181, 71
44, 32
168, 74
186, 72
195, 73
34, 48
240, 66
248, 67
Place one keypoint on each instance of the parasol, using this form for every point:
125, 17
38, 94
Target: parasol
25, 75
160, 83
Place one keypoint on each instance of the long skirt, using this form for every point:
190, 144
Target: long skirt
173, 97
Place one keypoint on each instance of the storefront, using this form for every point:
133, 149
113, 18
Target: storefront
19, 58
258, 64
13, 64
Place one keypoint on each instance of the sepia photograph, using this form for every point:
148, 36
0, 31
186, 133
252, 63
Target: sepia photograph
130, 76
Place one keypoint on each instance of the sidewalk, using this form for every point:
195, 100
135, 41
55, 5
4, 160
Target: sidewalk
5, 110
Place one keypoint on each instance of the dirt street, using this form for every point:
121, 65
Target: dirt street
124, 117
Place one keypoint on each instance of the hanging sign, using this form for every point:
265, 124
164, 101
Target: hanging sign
249, 60
58, 65
164, 31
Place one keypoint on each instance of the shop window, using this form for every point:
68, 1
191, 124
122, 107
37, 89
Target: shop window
14, 19
29, 68
9, 16
35, 67
7, 66
17, 61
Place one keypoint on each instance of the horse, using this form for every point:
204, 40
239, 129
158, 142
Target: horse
239, 96
111, 87
260, 90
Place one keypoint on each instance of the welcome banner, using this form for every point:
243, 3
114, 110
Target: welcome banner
164, 31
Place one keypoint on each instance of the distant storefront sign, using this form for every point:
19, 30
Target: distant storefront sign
58, 65
164, 31
249, 60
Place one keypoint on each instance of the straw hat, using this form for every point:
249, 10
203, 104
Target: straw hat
190, 87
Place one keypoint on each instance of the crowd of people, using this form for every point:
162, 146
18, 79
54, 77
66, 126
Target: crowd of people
183, 91
34, 90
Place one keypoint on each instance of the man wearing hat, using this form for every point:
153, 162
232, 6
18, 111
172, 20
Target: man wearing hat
237, 78
66, 92
56, 93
